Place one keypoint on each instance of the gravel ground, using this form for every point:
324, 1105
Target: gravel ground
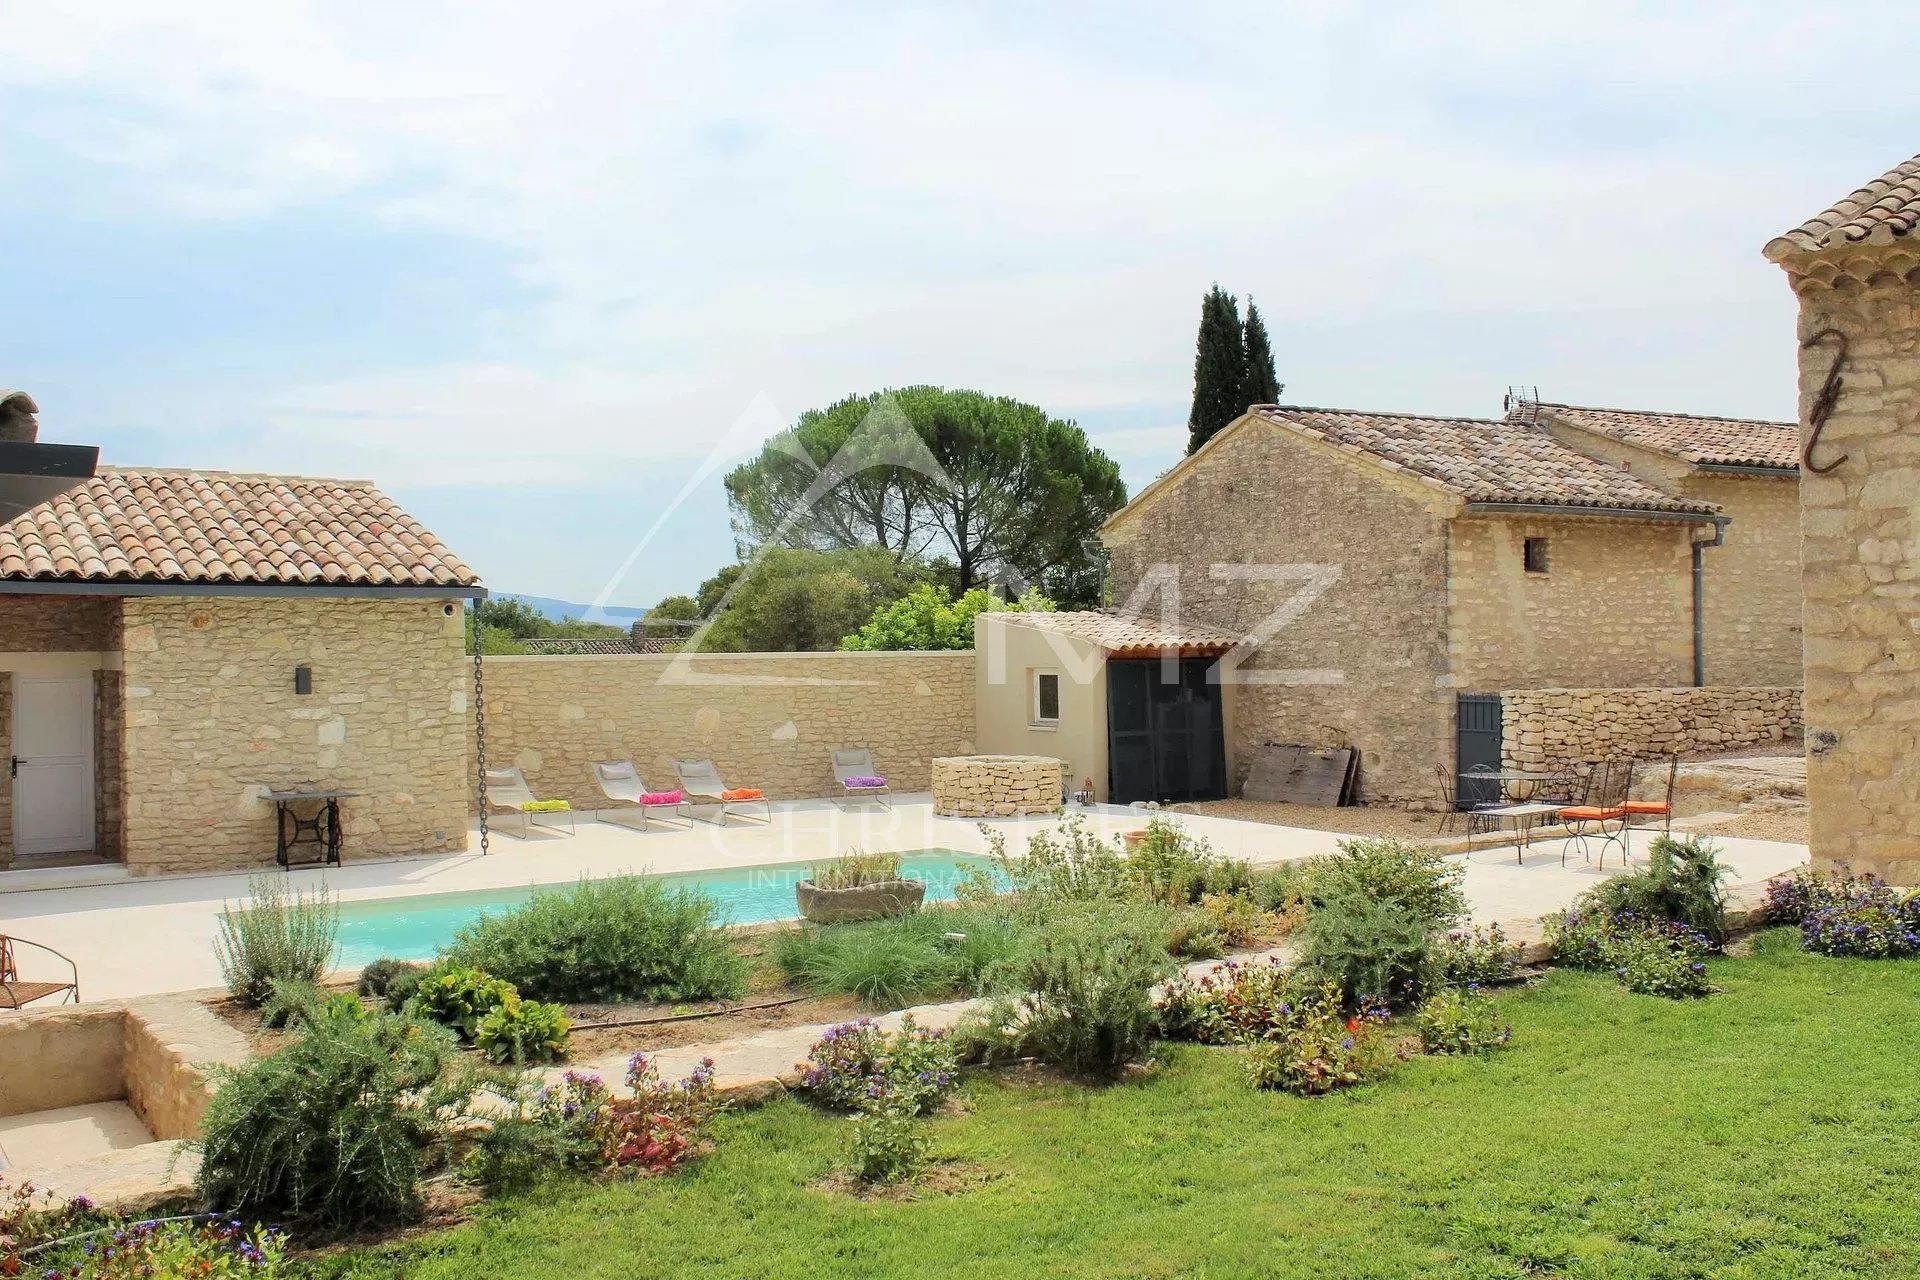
1359, 820
1764, 824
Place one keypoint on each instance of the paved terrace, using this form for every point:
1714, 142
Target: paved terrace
151, 935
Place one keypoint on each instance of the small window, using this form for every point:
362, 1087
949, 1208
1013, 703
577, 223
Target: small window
1535, 555
1046, 697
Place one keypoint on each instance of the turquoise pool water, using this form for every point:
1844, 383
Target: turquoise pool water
414, 928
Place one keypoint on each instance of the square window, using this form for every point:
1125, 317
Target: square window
1535, 555
1046, 697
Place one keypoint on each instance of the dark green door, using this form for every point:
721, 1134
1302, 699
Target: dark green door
1166, 736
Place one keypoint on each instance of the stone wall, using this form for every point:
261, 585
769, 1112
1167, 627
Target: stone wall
1859, 523
767, 720
1752, 583
995, 786
1365, 664
213, 722
1613, 609
59, 624
1542, 726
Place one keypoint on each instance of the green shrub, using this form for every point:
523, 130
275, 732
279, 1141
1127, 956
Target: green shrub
889, 1143
1385, 869
1367, 947
1653, 965
1176, 869
280, 935
1080, 997
1681, 882
1067, 865
1318, 1048
387, 978
1461, 1020
900, 961
460, 997
851, 870
624, 938
336, 1127
523, 1031
1479, 955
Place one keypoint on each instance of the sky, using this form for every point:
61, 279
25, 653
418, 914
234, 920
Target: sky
544, 272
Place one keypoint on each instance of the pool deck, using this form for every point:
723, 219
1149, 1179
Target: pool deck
155, 934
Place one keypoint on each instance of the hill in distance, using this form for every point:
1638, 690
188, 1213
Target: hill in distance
560, 610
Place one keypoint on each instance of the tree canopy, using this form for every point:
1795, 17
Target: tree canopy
992, 484
800, 598
928, 617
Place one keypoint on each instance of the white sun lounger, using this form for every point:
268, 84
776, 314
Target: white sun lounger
704, 786
621, 784
508, 792
857, 762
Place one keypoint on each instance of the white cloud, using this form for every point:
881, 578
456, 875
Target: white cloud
720, 202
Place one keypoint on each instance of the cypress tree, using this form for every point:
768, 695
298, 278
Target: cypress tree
1262, 385
1219, 368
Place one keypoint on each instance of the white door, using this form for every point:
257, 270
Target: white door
52, 765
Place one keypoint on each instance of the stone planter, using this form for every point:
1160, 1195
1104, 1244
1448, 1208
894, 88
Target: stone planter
863, 902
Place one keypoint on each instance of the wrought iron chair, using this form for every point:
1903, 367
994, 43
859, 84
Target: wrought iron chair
1661, 808
17, 993
1602, 815
1453, 805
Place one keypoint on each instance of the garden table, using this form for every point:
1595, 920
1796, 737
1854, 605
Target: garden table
1517, 785
322, 830
1523, 816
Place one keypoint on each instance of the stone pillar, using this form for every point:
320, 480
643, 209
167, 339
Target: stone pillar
1856, 269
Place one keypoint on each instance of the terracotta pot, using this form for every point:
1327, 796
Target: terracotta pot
1135, 839
863, 902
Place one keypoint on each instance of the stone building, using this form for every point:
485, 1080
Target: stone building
173, 644
1750, 584
1379, 565
1856, 271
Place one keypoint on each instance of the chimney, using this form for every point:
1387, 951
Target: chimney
18, 424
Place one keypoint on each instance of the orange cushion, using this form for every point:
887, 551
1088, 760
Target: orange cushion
744, 793
1590, 813
1646, 806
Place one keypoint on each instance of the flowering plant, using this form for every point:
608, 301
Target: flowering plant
1841, 914
29, 1217
857, 1064
1654, 966
1461, 1020
661, 1126
216, 1250
1319, 1048
1478, 955
1229, 1004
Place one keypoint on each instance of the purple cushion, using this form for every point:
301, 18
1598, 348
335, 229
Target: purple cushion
866, 782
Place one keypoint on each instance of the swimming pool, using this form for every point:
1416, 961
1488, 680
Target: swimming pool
414, 928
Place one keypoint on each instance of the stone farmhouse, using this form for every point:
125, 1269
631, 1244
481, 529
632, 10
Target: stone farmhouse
1383, 569
173, 644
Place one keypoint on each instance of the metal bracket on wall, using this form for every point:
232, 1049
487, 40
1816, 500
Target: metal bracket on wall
1823, 403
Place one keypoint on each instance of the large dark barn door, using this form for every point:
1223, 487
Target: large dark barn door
1479, 746
1166, 739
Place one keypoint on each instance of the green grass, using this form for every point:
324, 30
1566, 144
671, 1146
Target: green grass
1765, 1132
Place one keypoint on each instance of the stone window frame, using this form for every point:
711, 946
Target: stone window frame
1036, 717
1535, 555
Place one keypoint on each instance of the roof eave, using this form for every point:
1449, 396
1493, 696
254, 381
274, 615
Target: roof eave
1613, 513
264, 590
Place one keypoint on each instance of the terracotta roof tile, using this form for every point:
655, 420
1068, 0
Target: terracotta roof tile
1129, 635
1883, 211
130, 525
1727, 442
1483, 460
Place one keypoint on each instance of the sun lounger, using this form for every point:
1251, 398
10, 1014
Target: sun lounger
859, 779
508, 792
620, 783
703, 785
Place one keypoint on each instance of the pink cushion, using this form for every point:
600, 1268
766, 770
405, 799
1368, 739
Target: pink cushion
661, 797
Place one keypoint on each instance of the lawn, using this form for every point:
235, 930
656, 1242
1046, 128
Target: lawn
1767, 1131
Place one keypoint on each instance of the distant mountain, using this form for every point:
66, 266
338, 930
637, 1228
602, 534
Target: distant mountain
561, 610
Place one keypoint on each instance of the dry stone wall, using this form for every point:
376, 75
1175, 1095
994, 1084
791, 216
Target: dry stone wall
995, 786
767, 720
1541, 726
